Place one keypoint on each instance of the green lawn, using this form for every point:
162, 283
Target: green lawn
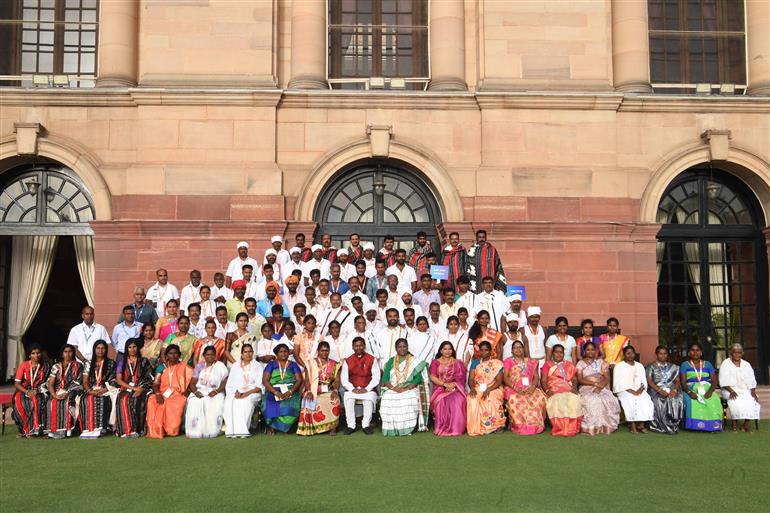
502, 472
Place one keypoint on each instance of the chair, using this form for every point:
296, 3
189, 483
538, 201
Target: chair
6, 403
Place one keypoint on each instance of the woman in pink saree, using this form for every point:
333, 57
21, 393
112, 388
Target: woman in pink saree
448, 398
525, 400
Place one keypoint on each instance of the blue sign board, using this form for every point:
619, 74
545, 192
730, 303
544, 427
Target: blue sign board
439, 272
517, 289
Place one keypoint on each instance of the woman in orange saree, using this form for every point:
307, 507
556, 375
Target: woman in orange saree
525, 400
563, 404
485, 399
481, 331
166, 405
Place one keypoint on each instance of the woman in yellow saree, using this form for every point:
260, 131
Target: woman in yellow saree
559, 378
485, 399
612, 343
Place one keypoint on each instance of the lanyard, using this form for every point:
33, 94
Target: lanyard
33, 375
99, 373
88, 334
282, 371
698, 372
63, 374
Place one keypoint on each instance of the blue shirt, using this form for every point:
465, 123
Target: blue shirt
121, 333
265, 308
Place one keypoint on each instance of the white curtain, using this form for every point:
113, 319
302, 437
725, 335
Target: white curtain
691, 254
84, 249
31, 263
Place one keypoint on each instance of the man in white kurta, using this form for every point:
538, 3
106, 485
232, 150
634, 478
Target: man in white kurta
220, 293
281, 255
407, 278
162, 292
191, 293
318, 263
494, 302
234, 268
386, 338
364, 393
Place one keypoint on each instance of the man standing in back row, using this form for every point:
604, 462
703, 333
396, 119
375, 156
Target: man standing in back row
484, 261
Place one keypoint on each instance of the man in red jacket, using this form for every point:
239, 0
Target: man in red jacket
360, 377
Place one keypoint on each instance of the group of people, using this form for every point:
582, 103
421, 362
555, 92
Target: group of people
313, 333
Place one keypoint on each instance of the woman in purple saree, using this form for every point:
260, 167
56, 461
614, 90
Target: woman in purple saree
448, 398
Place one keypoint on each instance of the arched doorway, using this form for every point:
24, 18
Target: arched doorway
712, 266
375, 199
46, 256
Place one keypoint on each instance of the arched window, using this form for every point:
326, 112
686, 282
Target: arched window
375, 200
44, 199
712, 266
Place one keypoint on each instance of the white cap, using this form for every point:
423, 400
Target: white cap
242, 244
533, 310
405, 292
276, 238
514, 297
511, 317
271, 251
316, 247
368, 245
342, 251
295, 249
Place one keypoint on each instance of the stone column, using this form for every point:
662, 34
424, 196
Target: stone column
308, 44
630, 46
447, 45
118, 37
758, 42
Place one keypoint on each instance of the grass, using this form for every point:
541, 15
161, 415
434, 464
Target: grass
501, 472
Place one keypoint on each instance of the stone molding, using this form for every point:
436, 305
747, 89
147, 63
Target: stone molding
417, 100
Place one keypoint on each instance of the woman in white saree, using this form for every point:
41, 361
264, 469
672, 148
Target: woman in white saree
400, 400
243, 394
205, 405
629, 382
739, 388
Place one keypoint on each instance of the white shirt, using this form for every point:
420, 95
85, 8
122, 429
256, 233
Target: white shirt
371, 270
84, 337
282, 257
468, 301
160, 295
291, 266
386, 343
222, 331
199, 329
493, 302
348, 296
347, 346
508, 345
323, 266
324, 301
347, 271
223, 291
406, 276
535, 341
329, 315
252, 290
208, 309
190, 294
291, 300
460, 342
438, 329
235, 268
422, 345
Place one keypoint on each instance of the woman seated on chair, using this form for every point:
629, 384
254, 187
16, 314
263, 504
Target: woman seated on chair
702, 409
64, 386
559, 379
523, 396
666, 393
400, 400
206, 402
485, 398
166, 405
281, 382
739, 388
629, 382
244, 391
601, 411
321, 401
448, 398
134, 375
100, 391
29, 399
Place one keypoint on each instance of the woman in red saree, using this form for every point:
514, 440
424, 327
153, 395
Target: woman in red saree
563, 405
448, 398
485, 400
29, 402
525, 400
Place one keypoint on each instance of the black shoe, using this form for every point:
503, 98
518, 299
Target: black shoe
368, 430
350, 431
